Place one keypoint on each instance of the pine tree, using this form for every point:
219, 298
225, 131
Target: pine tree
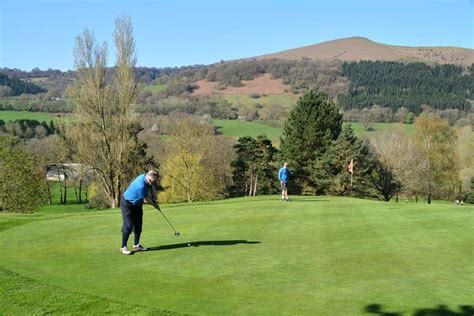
309, 131
253, 168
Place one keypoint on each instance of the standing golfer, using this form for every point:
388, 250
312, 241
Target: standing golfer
283, 176
139, 191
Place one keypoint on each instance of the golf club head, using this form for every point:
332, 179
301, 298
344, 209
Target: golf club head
177, 234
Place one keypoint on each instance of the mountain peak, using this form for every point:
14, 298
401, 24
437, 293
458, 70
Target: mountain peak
361, 48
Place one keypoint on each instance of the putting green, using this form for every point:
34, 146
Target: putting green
253, 256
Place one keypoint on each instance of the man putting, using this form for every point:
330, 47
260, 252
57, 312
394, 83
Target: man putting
138, 192
284, 176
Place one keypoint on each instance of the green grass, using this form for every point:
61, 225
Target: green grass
236, 128
248, 256
19, 115
359, 129
155, 88
242, 100
55, 190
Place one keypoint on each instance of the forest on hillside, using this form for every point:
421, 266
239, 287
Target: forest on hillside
398, 90
395, 85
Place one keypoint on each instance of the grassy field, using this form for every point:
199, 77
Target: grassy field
247, 256
239, 100
235, 128
19, 115
359, 129
155, 88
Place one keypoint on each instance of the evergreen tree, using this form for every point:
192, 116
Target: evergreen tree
253, 170
309, 131
332, 176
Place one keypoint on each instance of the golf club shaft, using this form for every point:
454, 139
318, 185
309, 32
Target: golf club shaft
171, 225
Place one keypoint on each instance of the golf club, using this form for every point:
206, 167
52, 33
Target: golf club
176, 233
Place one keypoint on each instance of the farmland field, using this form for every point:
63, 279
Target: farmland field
235, 128
155, 88
19, 115
285, 100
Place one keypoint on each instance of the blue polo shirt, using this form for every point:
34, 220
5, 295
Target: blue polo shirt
283, 174
137, 190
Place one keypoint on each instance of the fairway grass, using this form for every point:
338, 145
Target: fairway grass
248, 256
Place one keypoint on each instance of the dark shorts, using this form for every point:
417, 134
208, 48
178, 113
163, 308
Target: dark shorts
132, 216
283, 185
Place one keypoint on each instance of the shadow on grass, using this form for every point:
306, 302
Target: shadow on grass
440, 310
203, 243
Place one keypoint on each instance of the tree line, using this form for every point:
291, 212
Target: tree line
107, 140
14, 87
27, 129
410, 85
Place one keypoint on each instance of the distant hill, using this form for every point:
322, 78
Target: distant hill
14, 86
361, 48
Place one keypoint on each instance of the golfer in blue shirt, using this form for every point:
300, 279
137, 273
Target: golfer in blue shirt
138, 192
284, 176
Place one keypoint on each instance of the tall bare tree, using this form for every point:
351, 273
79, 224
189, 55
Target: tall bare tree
437, 142
397, 151
465, 151
104, 133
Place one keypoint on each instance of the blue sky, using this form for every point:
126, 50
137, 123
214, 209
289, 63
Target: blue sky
41, 33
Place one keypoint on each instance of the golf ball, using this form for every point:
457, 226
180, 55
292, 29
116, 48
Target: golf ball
189, 245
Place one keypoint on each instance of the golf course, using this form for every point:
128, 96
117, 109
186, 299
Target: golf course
314, 255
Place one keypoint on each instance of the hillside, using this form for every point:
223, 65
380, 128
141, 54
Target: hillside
361, 48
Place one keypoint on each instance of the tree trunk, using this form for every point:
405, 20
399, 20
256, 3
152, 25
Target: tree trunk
65, 190
80, 190
60, 188
255, 185
75, 192
429, 182
250, 185
50, 201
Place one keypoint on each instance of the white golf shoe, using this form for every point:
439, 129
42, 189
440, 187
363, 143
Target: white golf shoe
139, 248
125, 251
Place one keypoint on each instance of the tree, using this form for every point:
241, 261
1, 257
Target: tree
188, 167
22, 185
437, 140
253, 168
395, 149
383, 179
332, 177
104, 135
465, 151
309, 131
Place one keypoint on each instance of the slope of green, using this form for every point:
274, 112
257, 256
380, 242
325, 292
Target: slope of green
25, 115
258, 256
155, 88
239, 100
235, 128
359, 129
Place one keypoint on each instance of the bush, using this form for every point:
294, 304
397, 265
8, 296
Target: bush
22, 178
97, 197
254, 95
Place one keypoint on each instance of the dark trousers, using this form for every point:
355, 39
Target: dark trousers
132, 216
